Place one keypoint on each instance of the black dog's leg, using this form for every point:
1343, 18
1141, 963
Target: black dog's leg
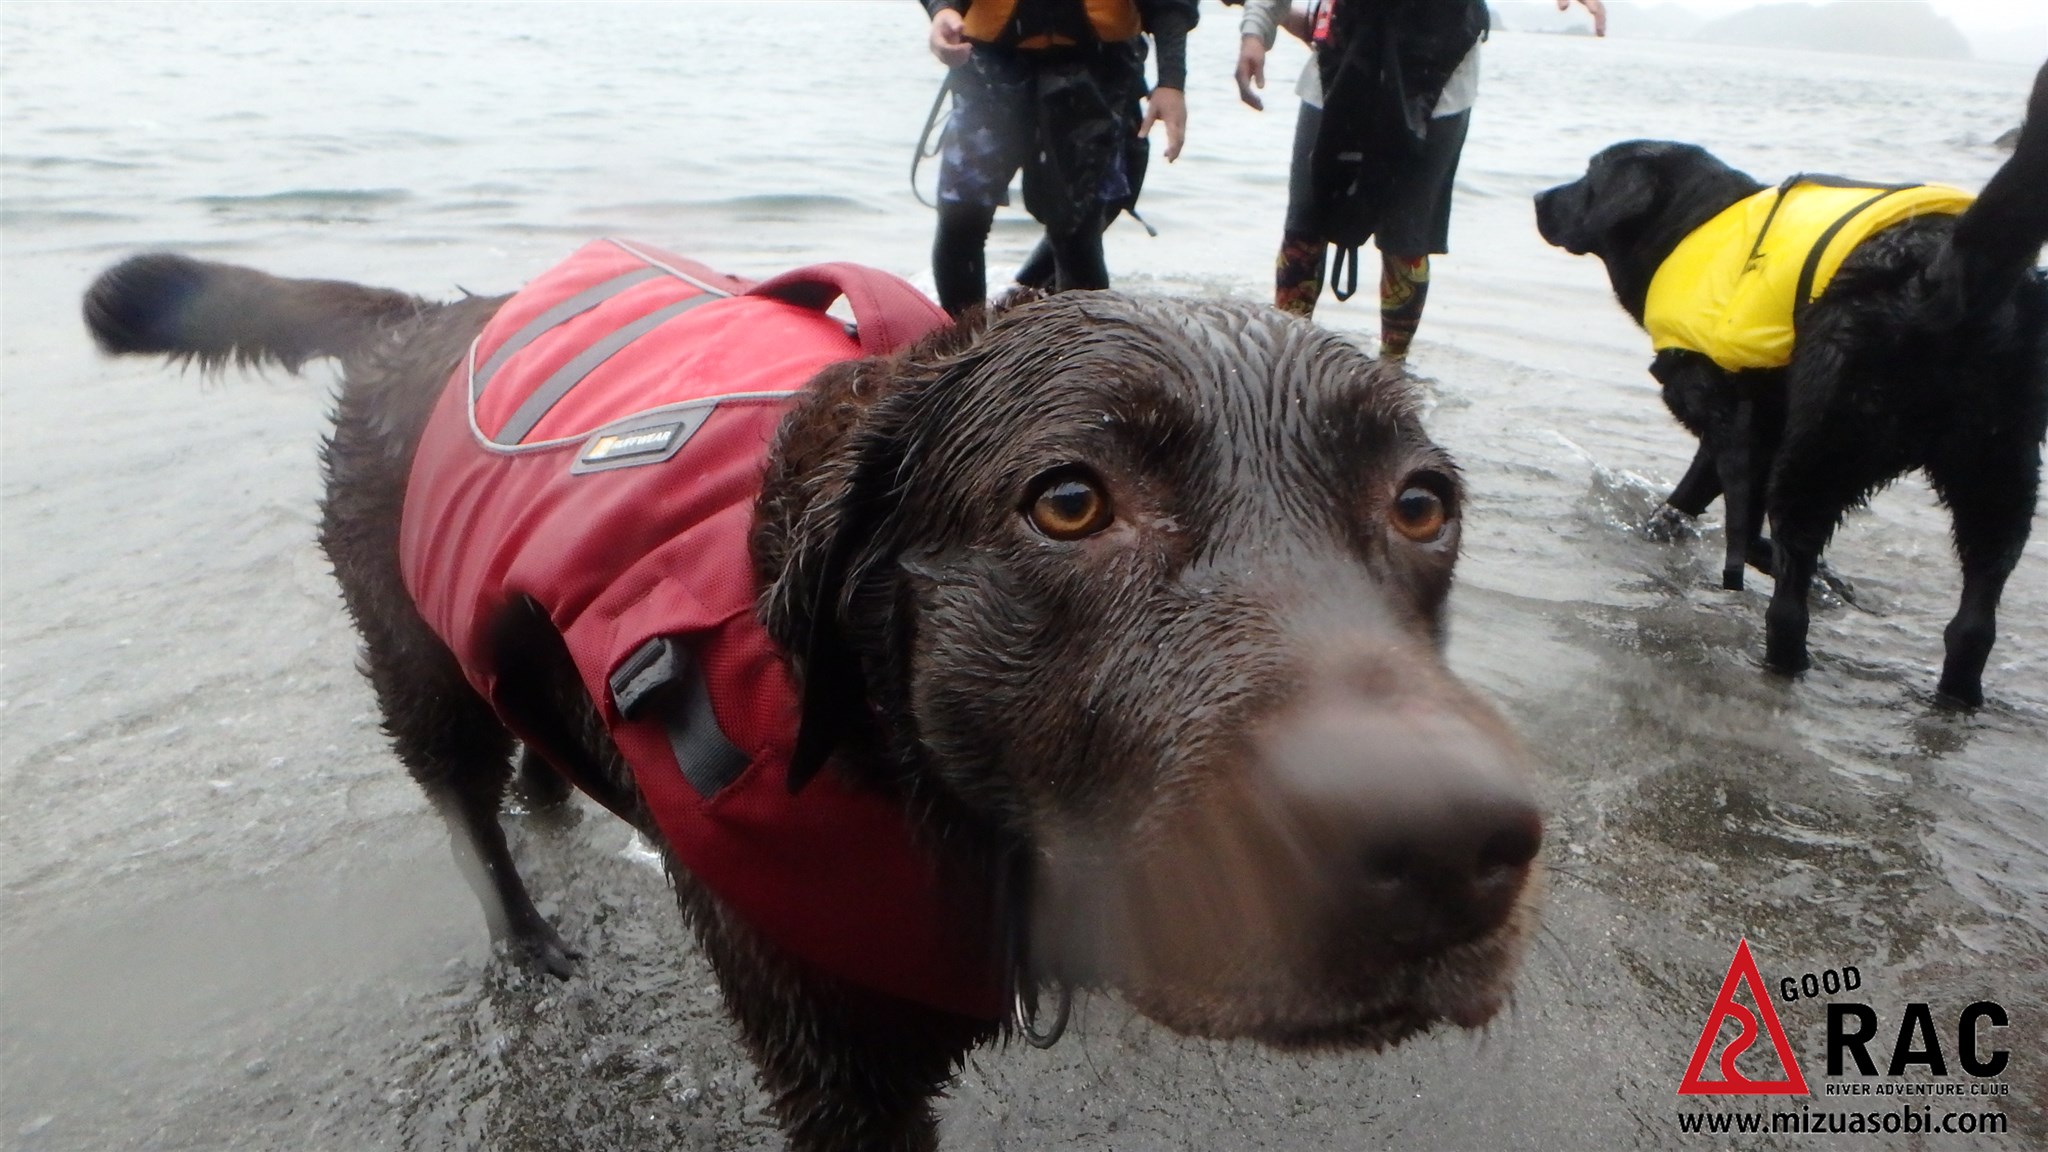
1700, 484
1798, 547
1762, 553
1718, 408
1742, 492
849, 1071
1814, 479
1992, 502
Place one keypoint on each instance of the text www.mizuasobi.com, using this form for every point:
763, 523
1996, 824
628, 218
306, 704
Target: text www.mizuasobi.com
1905, 1118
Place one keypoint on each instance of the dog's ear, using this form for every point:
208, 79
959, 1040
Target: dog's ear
822, 511
842, 547
825, 538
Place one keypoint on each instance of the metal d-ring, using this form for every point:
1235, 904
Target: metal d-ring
1024, 1013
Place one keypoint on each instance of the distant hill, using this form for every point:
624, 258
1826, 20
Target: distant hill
1900, 28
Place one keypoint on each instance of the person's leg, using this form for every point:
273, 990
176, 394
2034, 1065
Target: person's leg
959, 255
1078, 167
1404, 288
1124, 181
1077, 255
982, 148
1298, 272
1417, 224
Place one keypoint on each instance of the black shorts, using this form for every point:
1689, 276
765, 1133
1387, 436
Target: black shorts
1417, 217
1068, 118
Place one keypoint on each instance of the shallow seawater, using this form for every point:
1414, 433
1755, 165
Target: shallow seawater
230, 922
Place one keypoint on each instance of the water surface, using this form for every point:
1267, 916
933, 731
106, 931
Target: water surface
232, 923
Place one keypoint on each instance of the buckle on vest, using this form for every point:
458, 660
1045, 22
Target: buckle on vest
660, 678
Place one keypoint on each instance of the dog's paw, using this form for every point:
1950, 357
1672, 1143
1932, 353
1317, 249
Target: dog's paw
1964, 697
541, 951
1836, 584
1786, 659
1667, 525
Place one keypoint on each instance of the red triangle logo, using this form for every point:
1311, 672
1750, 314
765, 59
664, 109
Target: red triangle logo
1742, 970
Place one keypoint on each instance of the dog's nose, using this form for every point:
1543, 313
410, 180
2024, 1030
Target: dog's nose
1415, 822
1544, 227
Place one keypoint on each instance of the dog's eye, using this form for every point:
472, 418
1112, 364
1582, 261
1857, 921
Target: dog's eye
1419, 514
1070, 506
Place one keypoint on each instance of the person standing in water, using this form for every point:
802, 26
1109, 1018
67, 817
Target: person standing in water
1407, 161
1048, 86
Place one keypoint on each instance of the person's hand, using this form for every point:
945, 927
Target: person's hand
1598, 9
1251, 71
1167, 106
949, 38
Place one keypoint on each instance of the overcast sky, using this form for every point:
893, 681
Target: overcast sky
1968, 13
1985, 13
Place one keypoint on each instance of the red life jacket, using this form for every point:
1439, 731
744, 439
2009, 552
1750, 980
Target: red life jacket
600, 452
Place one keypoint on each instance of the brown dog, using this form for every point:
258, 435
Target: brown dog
1134, 607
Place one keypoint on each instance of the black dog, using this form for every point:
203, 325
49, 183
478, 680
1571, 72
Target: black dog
1141, 604
1928, 350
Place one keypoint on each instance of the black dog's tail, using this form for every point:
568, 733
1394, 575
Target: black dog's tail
1999, 239
192, 309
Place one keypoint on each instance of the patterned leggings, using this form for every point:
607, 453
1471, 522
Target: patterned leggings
1404, 287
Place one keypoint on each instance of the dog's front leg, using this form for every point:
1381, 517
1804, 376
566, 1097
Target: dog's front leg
1697, 489
1696, 391
1743, 505
849, 1070
1699, 486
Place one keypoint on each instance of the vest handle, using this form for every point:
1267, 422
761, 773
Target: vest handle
888, 313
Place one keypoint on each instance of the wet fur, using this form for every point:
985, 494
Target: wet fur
886, 484
1929, 351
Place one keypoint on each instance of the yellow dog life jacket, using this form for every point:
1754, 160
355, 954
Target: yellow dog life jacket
1732, 287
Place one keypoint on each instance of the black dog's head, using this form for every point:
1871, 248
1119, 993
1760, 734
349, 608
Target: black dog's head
1637, 200
1153, 591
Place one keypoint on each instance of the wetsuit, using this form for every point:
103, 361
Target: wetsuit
1051, 87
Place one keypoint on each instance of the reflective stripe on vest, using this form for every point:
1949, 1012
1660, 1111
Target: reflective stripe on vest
1733, 288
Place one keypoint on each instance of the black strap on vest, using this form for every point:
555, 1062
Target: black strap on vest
660, 675
1803, 294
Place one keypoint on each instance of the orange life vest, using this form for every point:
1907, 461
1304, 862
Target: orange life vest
1037, 23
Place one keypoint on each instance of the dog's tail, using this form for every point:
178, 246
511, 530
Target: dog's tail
1999, 239
173, 305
